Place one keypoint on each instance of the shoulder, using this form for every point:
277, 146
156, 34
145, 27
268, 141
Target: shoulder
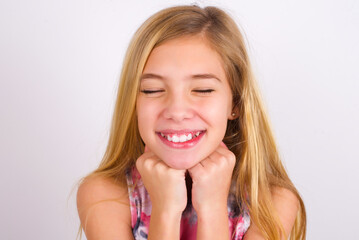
282, 195
286, 204
99, 188
104, 208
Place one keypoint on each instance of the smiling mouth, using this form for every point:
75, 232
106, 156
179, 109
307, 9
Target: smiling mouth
180, 138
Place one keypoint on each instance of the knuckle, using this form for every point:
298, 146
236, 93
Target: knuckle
227, 160
159, 167
139, 162
222, 160
147, 164
232, 160
212, 166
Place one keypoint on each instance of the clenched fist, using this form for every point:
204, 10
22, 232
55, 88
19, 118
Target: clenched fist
212, 179
166, 186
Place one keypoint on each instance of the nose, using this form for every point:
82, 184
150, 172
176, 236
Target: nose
178, 108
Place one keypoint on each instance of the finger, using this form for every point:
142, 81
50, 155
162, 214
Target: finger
231, 158
160, 165
152, 162
216, 161
196, 171
146, 160
209, 162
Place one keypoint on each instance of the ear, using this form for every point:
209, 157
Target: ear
233, 114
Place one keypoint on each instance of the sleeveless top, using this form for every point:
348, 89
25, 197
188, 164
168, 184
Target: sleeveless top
141, 207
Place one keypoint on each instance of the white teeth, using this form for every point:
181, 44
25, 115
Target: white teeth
175, 139
182, 138
189, 137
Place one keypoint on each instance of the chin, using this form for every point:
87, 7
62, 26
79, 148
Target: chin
181, 163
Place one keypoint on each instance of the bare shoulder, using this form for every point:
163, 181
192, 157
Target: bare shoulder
283, 194
104, 209
286, 204
93, 189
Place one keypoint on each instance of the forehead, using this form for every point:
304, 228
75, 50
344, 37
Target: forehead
188, 55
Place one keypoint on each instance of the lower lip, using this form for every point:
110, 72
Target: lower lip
182, 145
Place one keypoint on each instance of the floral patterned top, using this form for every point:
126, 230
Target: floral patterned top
141, 207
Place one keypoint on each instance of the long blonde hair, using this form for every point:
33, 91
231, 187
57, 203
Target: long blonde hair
249, 137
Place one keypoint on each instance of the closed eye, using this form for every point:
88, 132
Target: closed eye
151, 91
204, 91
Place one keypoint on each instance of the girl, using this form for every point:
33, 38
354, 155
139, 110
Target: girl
191, 154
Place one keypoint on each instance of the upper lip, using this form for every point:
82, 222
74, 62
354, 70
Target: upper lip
178, 132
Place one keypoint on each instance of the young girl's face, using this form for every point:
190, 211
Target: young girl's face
184, 102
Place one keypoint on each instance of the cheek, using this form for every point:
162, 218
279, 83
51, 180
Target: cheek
147, 115
215, 112
143, 117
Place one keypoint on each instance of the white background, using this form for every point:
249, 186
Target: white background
59, 68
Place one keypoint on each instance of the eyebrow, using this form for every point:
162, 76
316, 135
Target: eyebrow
195, 76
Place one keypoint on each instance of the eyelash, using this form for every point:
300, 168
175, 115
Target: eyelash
205, 91
151, 91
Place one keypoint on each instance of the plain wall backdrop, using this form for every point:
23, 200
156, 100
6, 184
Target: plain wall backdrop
59, 67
